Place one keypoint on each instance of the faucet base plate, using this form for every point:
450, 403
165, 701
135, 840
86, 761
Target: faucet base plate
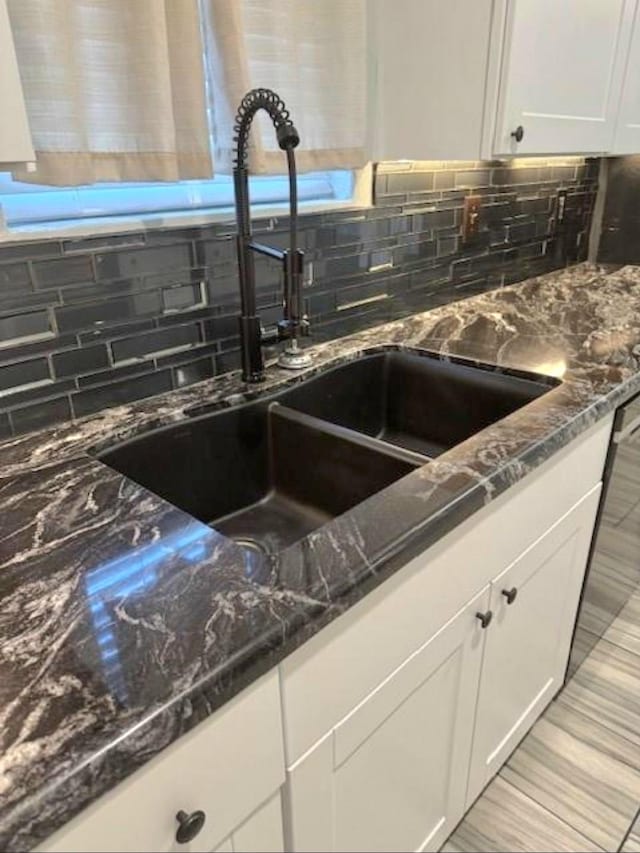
293, 358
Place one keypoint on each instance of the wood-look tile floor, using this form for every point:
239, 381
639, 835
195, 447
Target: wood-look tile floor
573, 784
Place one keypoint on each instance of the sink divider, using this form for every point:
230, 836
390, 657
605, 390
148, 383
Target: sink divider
277, 410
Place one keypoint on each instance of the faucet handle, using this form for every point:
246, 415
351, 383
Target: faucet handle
288, 329
270, 336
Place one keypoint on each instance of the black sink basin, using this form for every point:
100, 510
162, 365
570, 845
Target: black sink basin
261, 474
416, 400
268, 473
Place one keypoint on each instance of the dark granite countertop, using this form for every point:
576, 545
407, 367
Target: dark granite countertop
123, 621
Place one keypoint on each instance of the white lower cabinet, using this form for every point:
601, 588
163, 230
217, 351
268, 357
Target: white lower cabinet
261, 832
230, 768
534, 604
394, 763
392, 774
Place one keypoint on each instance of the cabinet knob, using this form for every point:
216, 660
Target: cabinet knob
190, 826
510, 594
485, 618
518, 133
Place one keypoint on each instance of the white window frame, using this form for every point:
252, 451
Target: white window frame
90, 210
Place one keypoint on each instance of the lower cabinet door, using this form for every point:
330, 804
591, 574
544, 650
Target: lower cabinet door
260, 833
534, 602
392, 775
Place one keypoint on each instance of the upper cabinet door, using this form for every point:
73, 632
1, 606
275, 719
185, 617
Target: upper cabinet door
627, 138
15, 138
561, 75
428, 63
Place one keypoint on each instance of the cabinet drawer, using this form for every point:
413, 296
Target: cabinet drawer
227, 767
356, 652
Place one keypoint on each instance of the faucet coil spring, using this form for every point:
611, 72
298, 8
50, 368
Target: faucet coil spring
253, 101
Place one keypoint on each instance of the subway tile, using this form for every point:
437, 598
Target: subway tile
14, 277
383, 259
40, 390
108, 241
109, 311
195, 353
81, 294
21, 326
78, 361
20, 301
59, 272
189, 315
138, 262
21, 350
24, 373
472, 178
433, 219
29, 251
347, 265
520, 231
211, 253
181, 298
116, 330
5, 426
379, 185
228, 361
271, 315
496, 212
516, 176
417, 251
197, 371
321, 303
447, 245
408, 182
141, 346
40, 415
117, 393
444, 180
563, 173
221, 327
113, 374
350, 297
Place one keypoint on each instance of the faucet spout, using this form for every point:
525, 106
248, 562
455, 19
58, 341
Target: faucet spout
294, 323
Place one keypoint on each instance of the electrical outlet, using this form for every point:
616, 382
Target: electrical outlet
559, 205
471, 217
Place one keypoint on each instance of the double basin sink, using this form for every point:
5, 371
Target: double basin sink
268, 473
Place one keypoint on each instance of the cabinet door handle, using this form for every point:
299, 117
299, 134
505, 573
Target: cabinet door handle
510, 594
518, 133
485, 618
190, 826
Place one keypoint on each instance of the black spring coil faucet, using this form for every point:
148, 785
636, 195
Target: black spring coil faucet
294, 323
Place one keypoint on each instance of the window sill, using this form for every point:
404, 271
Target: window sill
178, 219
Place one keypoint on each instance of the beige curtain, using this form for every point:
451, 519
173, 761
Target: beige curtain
115, 89
313, 54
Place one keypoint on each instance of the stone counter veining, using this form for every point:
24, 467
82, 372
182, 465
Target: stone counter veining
124, 622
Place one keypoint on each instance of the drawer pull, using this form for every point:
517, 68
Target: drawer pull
485, 618
190, 826
518, 133
510, 594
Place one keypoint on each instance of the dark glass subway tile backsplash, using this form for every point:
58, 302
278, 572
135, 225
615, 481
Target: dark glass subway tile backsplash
98, 321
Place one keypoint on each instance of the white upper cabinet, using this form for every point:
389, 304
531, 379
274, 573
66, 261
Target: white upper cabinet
561, 75
428, 66
627, 138
455, 79
15, 138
